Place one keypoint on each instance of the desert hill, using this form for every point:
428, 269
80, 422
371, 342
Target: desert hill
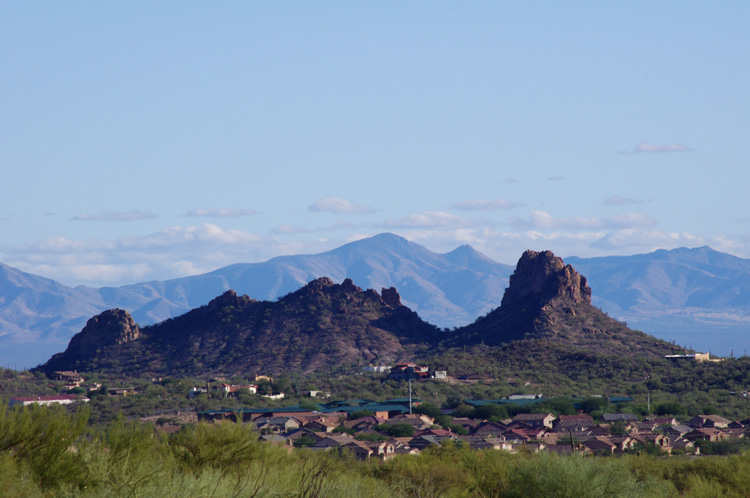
325, 325
550, 301
318, 327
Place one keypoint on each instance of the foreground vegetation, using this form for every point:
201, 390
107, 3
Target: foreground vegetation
48, 451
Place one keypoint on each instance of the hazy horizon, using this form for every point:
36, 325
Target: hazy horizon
155, 141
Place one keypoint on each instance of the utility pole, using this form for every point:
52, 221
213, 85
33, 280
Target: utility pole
409, 396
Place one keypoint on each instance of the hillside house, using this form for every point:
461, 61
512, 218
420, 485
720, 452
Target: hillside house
376, 369
409, 371
58, 399
231, 390
72, 379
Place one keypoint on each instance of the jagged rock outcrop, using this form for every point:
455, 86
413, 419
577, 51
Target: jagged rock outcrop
549, 300
544, 276
391, 297
109, 328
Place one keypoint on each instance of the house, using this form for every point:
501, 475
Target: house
364, 450
322, 424
274, 396
329, 442
73, 378
705, 434
363, 423
408, 371
486, 443
58, 399
619, 417
714, 421
535, 420
659, 440
422, 442
520, 435
600, 445
435, 432
662, 420
293, 436
694, 357
277, 424
418, 421
676, 431
376, 369
575, 423
622, 443
359, 449
195, 391
489, 429
230, 389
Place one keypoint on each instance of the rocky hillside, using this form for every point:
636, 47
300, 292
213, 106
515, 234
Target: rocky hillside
325, 325
320, 326
550, 301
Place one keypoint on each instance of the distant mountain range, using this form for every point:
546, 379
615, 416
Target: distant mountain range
697, 297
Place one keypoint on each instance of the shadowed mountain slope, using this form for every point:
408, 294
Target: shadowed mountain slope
319, 326
325, 325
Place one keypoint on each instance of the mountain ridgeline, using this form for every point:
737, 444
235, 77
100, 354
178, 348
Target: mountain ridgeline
325, 325
318, 326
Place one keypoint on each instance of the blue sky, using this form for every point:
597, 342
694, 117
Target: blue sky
162, 139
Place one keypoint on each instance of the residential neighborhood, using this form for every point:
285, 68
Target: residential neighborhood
391, 429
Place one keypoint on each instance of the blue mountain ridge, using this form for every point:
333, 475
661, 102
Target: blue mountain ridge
697, 297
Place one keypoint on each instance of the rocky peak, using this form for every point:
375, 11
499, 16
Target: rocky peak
348, 286
320, 283
107, 328
229, 297
544, 276
391, 297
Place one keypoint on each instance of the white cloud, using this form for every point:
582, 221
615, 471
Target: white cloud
219, 213
542, 219
423, 220
617, 200
656, 149
289, 229
339, 206
133, 215
480, 205
168, 253
187, 250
